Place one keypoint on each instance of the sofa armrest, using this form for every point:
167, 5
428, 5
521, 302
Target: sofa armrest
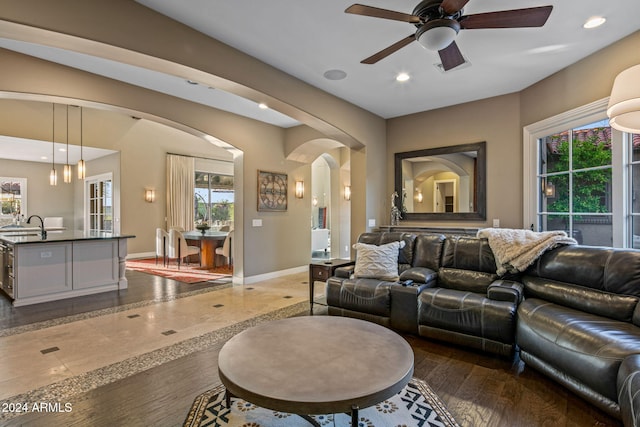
419, 275
505, 290
404, 305
629, 390
344, 272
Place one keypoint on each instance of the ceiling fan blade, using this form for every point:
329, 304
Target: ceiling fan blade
388, 51
451, 56
360, 9
530, 17
453, 6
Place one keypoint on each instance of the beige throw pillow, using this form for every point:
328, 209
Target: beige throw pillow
377, 262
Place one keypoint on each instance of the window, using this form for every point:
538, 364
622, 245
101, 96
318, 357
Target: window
633, 146
575, 177
213, 201
13, 200
99, 198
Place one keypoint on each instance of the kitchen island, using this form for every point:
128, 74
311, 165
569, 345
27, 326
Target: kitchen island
63, 264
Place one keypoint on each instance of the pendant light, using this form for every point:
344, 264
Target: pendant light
67, 167
81, 165
53, 175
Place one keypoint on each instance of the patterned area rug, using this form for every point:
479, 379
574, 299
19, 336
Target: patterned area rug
415, 406
188, 273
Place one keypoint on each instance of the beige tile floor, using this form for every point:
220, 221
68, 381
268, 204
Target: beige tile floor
90, 344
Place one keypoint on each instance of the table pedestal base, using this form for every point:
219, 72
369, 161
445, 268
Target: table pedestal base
354, 411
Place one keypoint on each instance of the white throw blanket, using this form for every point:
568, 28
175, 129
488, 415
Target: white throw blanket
515, 250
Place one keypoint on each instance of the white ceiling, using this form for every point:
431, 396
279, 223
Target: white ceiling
308, 38
39, 151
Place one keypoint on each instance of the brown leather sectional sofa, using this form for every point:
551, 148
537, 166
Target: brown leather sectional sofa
574, 315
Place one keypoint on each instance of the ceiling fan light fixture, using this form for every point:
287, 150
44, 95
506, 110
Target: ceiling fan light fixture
437, 34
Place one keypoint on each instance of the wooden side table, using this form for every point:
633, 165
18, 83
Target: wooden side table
321, 271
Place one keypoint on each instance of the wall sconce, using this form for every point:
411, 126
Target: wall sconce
624, 103
550, 190
347, 192
299, 189
314, 201
149, 195
419, 196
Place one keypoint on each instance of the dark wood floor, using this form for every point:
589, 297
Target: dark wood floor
479, 390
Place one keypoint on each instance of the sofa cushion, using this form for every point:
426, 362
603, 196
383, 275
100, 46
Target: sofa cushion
629, 390
614, 306
604, 269
468, 253
467, 313
465, 280
369, 296
377, 262
583, 346
428, 251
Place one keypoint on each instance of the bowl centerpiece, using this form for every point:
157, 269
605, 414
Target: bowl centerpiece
203, 227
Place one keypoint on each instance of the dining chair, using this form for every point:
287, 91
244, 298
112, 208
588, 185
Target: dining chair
52, 222
162, 240
179, 248
225, 250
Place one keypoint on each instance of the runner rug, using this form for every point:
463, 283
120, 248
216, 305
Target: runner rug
188, 273
416, 405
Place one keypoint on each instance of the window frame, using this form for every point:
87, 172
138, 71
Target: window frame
588, 113
98, 179
23, 196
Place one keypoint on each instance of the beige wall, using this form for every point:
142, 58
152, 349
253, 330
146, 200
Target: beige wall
151, 40
499, 122
585, 81
42, 199
142, 35
142, 144
494, 120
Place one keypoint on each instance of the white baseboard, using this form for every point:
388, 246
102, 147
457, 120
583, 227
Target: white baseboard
272, 275
239, 280
141, 255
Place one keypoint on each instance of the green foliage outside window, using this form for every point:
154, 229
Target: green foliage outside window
589, 187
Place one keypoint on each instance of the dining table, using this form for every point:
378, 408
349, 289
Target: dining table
207, 242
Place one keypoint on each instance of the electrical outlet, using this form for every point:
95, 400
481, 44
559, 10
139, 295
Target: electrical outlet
256, 222
372, 223
496, 223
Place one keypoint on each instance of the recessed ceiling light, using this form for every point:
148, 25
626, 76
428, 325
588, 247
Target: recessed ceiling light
594, 21
403, 77
334, 75
263, 106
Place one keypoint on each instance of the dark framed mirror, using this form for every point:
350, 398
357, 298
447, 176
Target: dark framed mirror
444, 183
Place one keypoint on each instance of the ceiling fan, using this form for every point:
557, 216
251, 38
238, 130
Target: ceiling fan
439, 21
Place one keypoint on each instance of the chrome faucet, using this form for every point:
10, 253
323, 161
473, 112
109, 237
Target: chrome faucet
43, 232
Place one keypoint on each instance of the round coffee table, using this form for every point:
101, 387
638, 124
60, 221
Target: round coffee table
315, 365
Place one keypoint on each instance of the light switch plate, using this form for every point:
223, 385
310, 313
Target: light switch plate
372, 223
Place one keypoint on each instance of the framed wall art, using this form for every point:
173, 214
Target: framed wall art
272, 191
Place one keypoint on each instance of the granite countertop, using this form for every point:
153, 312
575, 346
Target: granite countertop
34, 236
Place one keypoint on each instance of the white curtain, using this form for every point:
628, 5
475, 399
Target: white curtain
180, 191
